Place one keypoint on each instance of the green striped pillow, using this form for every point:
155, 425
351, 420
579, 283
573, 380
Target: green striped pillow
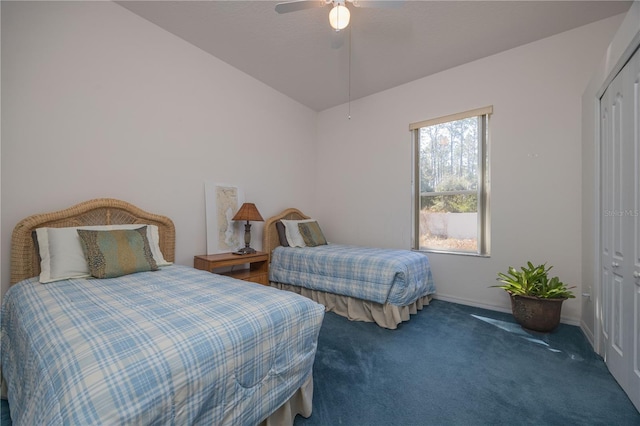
118, 252
312, 234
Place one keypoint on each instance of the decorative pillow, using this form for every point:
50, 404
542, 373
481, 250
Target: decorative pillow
293, 232
312, 234
282, 236
61, 255
115, 253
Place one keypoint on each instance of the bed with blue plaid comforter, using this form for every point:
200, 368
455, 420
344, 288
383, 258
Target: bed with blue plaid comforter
396, 277
174, 346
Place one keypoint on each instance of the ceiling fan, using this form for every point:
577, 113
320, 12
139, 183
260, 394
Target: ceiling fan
339, 15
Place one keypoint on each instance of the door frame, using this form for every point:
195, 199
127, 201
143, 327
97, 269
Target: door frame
625, 42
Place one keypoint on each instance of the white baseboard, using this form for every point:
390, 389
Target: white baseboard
474, 303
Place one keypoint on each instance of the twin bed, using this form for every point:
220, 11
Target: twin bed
364, 284
174, 345
170, 344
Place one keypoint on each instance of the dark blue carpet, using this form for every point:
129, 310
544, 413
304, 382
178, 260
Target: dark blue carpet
459, 365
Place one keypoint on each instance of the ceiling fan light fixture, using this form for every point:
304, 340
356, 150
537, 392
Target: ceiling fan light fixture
339, 17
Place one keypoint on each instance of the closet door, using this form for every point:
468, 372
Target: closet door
620, 227
634, 235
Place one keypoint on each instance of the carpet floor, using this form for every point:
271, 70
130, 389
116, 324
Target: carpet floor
458, 365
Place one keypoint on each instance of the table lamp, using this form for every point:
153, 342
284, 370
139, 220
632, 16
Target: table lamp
247, 212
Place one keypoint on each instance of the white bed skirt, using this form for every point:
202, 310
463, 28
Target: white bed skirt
387, 316
299, 403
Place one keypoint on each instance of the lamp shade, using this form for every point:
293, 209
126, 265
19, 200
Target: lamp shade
248, 211
339, 17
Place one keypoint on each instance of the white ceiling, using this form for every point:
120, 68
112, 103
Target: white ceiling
299, 55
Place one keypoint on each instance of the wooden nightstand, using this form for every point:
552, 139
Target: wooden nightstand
258, 271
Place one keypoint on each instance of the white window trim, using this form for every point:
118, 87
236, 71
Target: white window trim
488, 110
484, 211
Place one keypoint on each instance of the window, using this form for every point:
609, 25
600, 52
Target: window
451, 205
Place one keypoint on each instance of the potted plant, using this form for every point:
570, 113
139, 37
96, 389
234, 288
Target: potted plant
536, 299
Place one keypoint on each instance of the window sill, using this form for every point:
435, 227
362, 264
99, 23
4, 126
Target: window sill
458, 253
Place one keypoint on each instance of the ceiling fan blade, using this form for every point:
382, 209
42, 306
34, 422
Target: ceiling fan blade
296, 5
387, 4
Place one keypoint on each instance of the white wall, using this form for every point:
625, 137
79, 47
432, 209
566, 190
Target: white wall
364, 164
625, 41
98, 102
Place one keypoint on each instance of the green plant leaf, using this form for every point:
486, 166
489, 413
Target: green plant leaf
531, 280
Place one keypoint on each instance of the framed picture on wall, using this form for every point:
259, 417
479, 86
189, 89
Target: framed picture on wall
222, 201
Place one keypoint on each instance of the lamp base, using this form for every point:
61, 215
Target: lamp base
245, 250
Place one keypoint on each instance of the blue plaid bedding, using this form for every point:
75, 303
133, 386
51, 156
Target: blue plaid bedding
397, 277
175, 346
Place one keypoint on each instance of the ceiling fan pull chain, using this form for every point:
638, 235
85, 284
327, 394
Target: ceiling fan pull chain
349, 90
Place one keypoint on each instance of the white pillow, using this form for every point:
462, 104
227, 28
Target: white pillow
61, 255
292, 232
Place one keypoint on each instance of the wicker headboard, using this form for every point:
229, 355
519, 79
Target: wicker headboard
25, 262
270, 238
